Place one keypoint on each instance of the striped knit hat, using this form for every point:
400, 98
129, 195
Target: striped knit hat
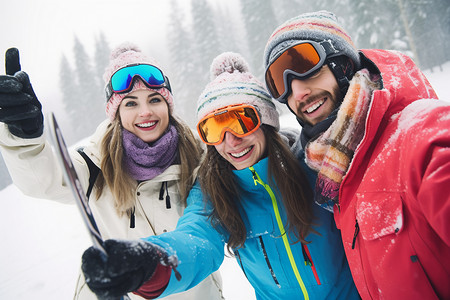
315, 26
123, 55
232, 83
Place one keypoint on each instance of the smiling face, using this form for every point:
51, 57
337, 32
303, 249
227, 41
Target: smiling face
313, 99
144, 113
243, 152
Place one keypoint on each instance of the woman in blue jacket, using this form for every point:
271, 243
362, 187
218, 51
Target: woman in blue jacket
252, 196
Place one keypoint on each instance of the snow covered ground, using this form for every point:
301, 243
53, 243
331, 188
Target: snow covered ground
42, 241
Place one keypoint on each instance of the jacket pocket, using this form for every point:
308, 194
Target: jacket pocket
259, 225
379, 214
256, 257
385, 244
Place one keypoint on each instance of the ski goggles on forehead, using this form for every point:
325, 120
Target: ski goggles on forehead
241, 120
122, 80
301, 60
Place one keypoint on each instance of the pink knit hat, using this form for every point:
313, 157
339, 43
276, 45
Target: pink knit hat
123, 55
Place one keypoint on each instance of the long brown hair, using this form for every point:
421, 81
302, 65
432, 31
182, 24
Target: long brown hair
218, 182
122, 185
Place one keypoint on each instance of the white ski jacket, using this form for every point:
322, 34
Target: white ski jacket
35, 171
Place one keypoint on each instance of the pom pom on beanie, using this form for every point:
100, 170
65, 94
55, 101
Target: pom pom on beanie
228, 62
123, 55
232, 83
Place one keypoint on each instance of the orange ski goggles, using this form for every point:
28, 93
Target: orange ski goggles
301, 60
241, 120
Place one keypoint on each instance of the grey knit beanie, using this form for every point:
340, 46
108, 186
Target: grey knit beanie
315, 26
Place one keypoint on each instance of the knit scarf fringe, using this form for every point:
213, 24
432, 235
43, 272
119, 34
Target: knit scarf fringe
331, 153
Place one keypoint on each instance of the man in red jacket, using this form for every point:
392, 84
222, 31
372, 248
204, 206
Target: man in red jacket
379, 140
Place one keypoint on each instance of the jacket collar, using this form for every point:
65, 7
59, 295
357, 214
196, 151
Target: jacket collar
245, 176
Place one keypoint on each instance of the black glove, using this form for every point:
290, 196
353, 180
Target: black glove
127, 266
19, 107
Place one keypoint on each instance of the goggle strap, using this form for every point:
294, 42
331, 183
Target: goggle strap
329, 48
108, 91
167, 84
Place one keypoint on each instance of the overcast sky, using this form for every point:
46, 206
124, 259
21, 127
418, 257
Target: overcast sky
43, 30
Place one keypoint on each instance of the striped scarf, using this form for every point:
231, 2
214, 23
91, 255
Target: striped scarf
331, 153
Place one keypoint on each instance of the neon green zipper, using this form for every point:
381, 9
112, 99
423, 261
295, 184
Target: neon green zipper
257, 180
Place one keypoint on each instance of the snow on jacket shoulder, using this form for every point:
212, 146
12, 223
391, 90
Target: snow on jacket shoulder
395, 197
36, 172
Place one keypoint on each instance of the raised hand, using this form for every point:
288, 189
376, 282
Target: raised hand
19, 107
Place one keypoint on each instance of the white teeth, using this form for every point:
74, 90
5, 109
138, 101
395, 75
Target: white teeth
315, 106
242, 153
146, 125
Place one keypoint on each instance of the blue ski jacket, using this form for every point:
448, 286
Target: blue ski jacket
276, 267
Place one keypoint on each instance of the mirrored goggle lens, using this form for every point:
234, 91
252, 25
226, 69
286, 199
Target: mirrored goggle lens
123, 78
301, 58
240, 121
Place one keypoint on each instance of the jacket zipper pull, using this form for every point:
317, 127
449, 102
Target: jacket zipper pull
168, 206
355, 234
255, 178
132, 218
308, 262
161, 192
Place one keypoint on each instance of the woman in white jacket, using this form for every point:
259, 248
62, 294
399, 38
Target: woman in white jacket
147, 157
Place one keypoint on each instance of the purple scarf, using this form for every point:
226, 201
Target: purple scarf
144, 161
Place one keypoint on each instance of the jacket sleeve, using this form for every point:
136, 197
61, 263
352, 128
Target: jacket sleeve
197, 244
34, 168
427, 150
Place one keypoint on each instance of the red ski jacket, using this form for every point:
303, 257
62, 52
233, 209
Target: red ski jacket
394, 211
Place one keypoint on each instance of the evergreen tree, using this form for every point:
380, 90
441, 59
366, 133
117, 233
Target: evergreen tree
69, 89
227, 23
182, 65
206, 44
287, 9
428, 25
192, 50
406, 21
367, 21
260, 21
83, 89
102, 52
89, 106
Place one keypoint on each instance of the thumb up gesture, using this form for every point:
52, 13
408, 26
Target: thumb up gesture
19, 107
